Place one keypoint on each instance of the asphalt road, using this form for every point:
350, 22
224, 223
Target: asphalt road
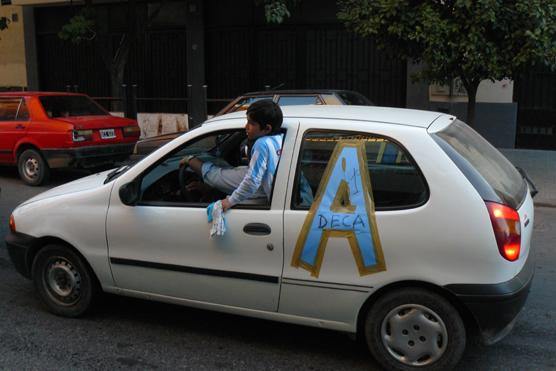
126, 333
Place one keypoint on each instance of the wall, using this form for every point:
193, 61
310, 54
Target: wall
153, 124
487, 92
496, 92
12, 49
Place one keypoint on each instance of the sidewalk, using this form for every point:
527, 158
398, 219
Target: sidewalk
541, 168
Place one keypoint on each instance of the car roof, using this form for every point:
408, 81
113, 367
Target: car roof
36, 93
299, 92
398, 116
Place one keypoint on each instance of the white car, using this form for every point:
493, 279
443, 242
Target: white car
405, 227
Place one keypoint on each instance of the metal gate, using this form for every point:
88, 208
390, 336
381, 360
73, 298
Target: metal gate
301, 57
237, 59
535, 94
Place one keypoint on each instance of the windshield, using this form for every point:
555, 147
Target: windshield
244, 103
70, 105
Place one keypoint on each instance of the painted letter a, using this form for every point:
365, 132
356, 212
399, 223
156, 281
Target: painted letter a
344, 193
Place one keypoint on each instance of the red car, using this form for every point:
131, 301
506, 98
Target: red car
40, 131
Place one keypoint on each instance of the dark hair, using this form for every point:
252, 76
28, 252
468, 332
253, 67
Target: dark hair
266, 112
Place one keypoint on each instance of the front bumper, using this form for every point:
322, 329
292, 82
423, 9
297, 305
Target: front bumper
89, 156
495, 307
20, 248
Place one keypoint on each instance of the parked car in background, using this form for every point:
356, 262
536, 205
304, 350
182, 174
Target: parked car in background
298, 97
40, 131
405, 227
282, 97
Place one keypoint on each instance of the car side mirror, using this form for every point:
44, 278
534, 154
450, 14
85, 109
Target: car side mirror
129, 193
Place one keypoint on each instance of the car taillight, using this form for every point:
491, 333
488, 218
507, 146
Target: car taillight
507, 229
82, 135
12, 223
131, 131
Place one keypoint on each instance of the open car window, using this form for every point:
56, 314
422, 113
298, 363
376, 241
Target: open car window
164, 182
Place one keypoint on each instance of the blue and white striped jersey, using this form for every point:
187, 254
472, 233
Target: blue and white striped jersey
262, 168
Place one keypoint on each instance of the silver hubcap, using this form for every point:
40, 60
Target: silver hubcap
31, 167
414, 335
63, 281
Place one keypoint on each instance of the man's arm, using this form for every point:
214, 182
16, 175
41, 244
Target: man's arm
194, 163
253, 178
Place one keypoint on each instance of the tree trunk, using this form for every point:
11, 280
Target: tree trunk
471, 88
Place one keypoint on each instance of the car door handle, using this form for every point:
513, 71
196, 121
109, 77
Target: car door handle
257, 229
19, 126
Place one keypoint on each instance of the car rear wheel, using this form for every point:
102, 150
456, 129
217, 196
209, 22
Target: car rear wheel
32, 167
413, 328
65, 283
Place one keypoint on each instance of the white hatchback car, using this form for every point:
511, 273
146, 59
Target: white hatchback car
403, 226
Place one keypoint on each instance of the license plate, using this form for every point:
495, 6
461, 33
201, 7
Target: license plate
107, 133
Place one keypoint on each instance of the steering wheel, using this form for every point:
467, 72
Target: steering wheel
183, 176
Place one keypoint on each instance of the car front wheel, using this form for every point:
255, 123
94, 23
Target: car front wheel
64, 282
33, 169
413, 328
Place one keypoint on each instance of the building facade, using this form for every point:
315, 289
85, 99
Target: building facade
185, 51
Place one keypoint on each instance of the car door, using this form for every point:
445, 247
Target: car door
163, 247
351, 192
14, 120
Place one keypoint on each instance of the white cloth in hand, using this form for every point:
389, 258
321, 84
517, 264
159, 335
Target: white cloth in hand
215, 216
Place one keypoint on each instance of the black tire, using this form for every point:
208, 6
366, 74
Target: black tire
65, 283
415, 329
32, 167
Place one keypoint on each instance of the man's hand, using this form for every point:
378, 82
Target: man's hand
225, 204
185, 160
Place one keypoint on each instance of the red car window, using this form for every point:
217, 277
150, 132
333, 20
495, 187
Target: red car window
8, 109
70, 105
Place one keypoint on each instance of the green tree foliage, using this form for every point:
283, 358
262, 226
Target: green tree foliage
80, 27
276, 11
470, 39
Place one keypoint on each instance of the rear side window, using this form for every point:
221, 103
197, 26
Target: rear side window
396, 181
482, 163
70, 105
13, 109
298, 100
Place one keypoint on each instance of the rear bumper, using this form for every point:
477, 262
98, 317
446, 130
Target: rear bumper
20, 247
495, 307
87, 156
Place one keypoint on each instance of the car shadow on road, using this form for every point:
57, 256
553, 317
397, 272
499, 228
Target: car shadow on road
282, 338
